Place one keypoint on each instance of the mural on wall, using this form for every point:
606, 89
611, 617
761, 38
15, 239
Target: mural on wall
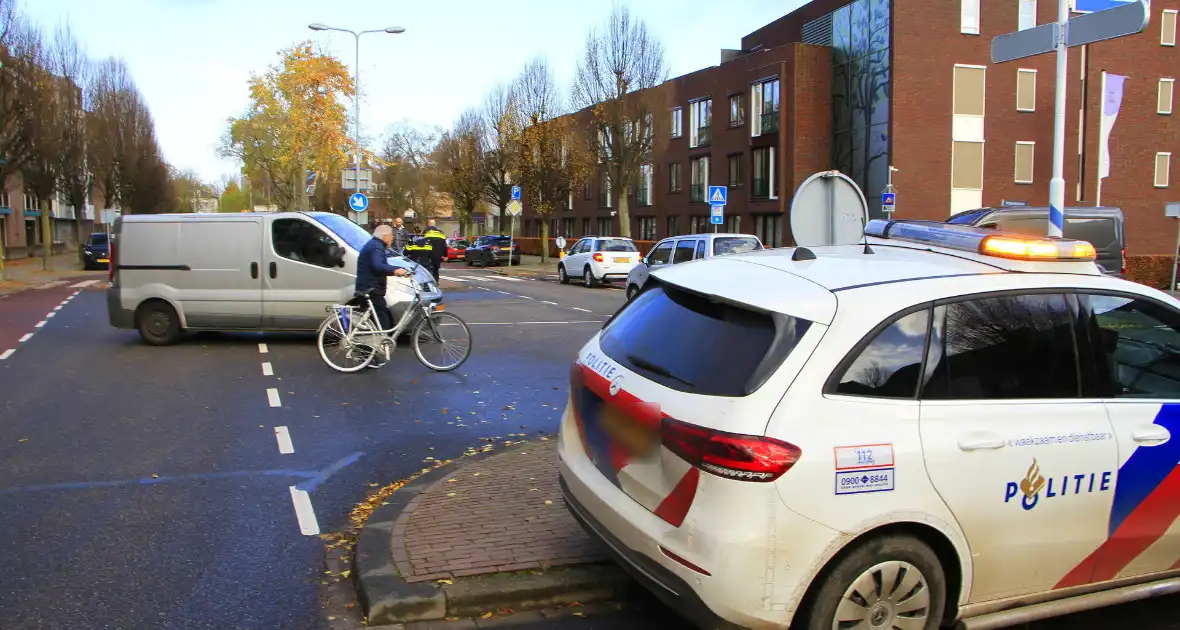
861, 89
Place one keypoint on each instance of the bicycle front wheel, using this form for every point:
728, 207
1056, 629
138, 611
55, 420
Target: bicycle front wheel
442, 342
340, 353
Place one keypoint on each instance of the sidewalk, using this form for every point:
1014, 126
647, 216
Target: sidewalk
25, 273
530, 266
491, 535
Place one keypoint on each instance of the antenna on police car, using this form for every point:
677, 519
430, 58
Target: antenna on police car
867, 249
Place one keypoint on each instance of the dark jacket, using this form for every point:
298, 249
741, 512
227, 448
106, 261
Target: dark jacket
400, 239
419, 251
437, 241
372, 268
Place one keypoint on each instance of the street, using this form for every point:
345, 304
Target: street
145, 488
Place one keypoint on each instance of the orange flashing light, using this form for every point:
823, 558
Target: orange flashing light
1036, 249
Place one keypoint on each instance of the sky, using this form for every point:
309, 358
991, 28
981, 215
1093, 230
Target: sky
191, 59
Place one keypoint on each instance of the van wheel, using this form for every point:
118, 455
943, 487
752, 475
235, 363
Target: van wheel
158, 323
562, 276
886, 582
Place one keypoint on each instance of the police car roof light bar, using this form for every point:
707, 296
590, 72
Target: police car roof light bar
981, 241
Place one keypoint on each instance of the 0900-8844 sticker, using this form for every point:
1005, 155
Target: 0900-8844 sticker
864, 468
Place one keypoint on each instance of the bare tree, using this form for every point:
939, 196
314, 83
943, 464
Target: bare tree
497, 119
108, 86
408, 172
613, 81
71, 65
459, 166
44, 96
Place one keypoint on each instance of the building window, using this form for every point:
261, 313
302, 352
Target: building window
674, 177
733, 224
1168, 27
736, 173
604, 226
763, 173
700, 179
604, 145
698, 225
677, 122
586, 191
967, 166
1164, 104
4, 199
585, 227
647, 228
970, 88
643, 195
1163, 168
567, 227
672, 227
969, 21
1024, 162
768, 229
1026, 90
737, 110
764, 101
699, 121
604, 191
30, 202
1028, 15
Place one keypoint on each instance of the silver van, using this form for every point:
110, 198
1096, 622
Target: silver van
677, 249
236, 272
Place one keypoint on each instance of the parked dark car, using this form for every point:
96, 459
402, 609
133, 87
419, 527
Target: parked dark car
96, 253
492, 250
1102, 227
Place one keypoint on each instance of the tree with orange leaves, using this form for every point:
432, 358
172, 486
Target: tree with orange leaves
297, 124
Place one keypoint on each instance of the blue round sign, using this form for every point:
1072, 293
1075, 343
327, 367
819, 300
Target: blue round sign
358, 202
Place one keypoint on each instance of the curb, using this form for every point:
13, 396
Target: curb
386, 598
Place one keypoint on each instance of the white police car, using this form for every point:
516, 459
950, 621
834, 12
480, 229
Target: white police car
948, 424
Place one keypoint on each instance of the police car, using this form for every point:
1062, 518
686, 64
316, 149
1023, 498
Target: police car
939, 424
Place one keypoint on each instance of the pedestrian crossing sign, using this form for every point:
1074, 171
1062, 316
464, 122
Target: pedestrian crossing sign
717, 195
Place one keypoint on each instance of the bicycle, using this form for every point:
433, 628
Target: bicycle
354, 329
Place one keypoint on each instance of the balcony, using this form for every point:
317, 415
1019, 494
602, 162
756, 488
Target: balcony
697, 193
761, 188
704, 136
770, 122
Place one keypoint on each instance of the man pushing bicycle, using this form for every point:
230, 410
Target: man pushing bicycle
372, 271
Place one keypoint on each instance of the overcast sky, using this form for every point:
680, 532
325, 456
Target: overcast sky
192, 58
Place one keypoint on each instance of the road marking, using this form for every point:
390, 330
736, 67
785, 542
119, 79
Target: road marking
50, 315
526, 297
284, 438
50, 285
59, 306
83, 284
27, 337
262, 348
578, 308
548, 302
483, 288
7, 353
510, 279
40, 324
454, 279
504, 292
304, 512
580, 321
272, 395
267, 370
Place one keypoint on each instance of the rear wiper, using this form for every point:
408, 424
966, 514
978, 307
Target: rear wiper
646, 365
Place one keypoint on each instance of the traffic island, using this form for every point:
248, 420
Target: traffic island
489, 534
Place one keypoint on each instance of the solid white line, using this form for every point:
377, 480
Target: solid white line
272, 395
7, 353
548, 302
83, 284
40, 324
304, 512
27, 337
267, 370
284, 438
580, 321
262, 348
578, 308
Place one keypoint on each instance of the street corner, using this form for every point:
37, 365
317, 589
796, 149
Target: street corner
484, 534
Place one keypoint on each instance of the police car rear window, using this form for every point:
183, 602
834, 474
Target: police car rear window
689, 343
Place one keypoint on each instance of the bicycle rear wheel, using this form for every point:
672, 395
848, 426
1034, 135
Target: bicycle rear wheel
442, 342
339, 352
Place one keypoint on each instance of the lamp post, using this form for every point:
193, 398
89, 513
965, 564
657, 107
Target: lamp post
356, 101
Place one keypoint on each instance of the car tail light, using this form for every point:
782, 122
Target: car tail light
1123, 254
730, 455
598, 258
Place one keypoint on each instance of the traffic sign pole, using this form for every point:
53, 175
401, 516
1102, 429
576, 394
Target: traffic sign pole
1057, 184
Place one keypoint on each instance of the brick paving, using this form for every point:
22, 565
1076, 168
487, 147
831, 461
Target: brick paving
503, 513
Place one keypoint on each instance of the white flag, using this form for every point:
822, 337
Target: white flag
1112, 100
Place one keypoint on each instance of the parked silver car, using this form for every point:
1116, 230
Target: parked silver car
252, 271
678, 249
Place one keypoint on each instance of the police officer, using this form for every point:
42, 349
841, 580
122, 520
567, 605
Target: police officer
438, 247
419, 251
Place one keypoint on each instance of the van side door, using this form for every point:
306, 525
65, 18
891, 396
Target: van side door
220, 286
299, 278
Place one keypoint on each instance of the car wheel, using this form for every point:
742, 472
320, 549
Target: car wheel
588, 278
885, 579
632, 291
562, 276
158, 323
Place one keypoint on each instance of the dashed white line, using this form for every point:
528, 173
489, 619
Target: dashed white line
7, 353
50, 315
504, 292
578, 308
526, 297
483, 288
83, 284
267, 369
40, 324
304, 512
283, 436
59, 306
272, 396
262, 348
548, 302
27, 337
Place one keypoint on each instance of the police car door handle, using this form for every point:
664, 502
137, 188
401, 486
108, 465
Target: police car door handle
980, 441
1153, 435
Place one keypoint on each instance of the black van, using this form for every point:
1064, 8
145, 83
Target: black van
1102, 227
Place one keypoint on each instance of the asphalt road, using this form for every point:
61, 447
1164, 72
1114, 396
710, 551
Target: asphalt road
145, 488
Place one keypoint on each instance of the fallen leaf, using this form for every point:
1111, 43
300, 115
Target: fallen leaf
533, 490
486, 615
331, 618
444, 412
547, 502
23, 440
445, 581
154, 476
579, 614
345, 573
452, 480
450, 494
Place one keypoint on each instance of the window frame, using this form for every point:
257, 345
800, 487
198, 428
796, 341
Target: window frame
1078, 339
675, 177
833, 381
738, 179
700, 116
677, 122
737, 99
969, 9
982, 163
1021, 24
692, 249
1019, 73
323, 230
1171, 83
1032, 162
1164, 34
1167, 169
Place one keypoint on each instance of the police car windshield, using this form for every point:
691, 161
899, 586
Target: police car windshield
616, 245
353, 234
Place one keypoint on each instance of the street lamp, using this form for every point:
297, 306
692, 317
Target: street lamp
356, 101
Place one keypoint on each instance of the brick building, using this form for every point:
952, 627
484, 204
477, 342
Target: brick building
860, 86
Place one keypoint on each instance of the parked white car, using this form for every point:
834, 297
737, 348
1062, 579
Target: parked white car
597, 259
950, 425
678, 249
